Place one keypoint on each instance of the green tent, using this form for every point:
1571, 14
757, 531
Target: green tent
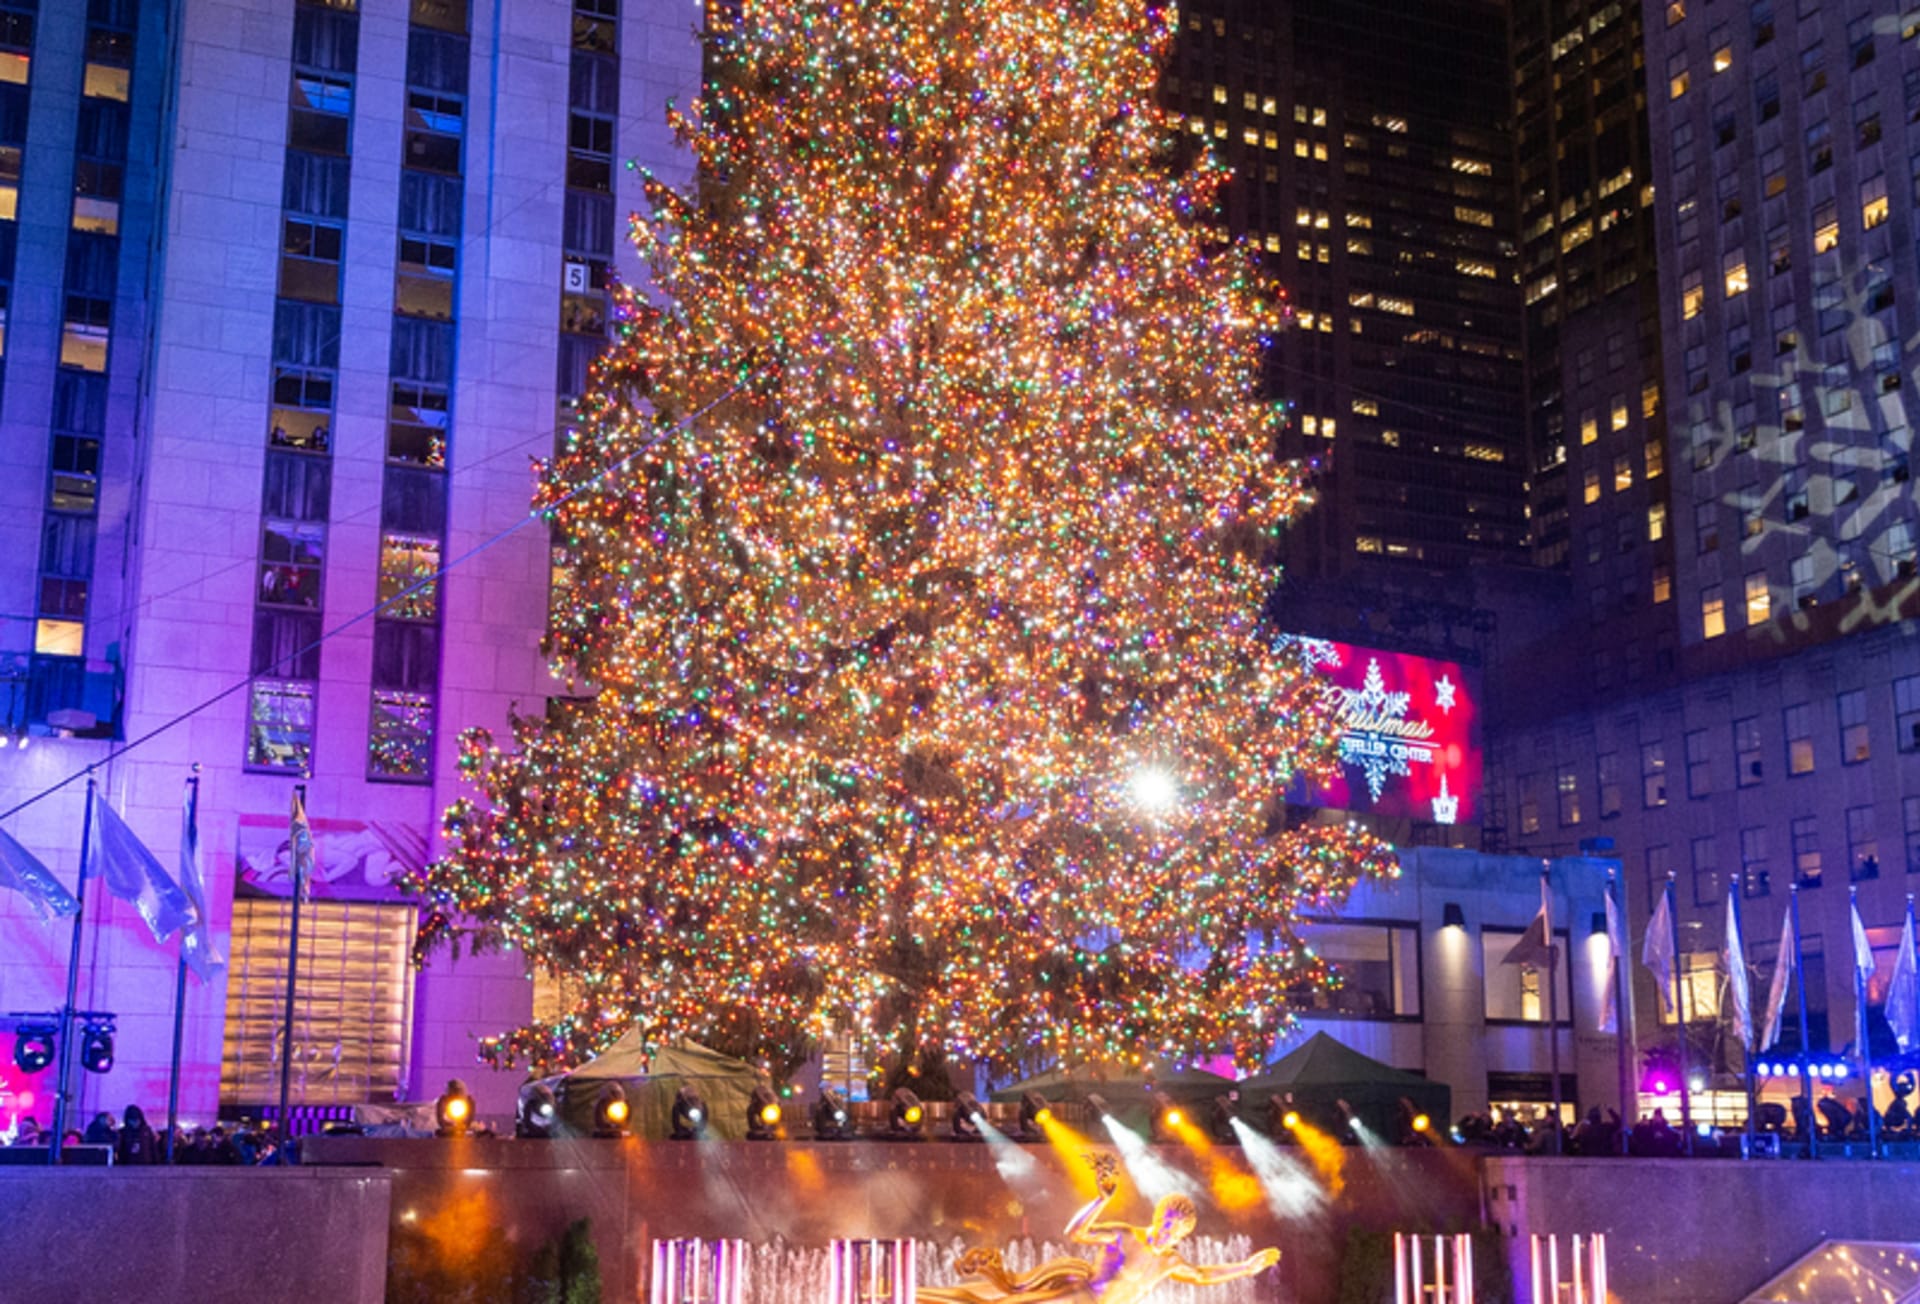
1129, 1093
651, 1082
1321, 1072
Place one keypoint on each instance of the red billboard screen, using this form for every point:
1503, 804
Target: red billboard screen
1409, 735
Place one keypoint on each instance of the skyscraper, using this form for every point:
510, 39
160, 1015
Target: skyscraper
303, 287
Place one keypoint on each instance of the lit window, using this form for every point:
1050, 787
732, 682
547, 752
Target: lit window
1736, 274
1656, 522
1250, 136
1591, 492
1472, 216
1713, 612
14, 67
1249, 101
408, 565
1366, 407
1219, 95
1826, 229
1676, 10
1269, 106
83, 346
1656, 457
1300, 147
400, 740
1723, 58
1677, 85
1873, 202
92, 213
102, 81
1622, 473
1309, 425
1662, 583
1759, 599
1693, 296
280, 726
58, 638
1589, 426
1619, 412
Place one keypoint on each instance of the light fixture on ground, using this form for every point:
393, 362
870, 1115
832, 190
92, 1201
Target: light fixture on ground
1035, 1114
907, 1117
453, 1111
1220, 1117
689, 1115
1097, 1106
832, 1120
1168, 1119
96, 1047
33, 1046
611, 1112
763, 1114
538, 1114
1282, 1118
967, 1117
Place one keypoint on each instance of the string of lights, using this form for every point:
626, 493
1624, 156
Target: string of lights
931, 699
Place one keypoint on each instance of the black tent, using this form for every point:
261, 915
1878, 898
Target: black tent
1322, 1072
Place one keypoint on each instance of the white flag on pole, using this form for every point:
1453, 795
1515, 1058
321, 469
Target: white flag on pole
1739, 992
1903, 991
1616, 949
1777, 989
1657, 951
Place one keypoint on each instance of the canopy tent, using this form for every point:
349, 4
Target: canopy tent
1129, 1093
651, 1082
1321, 1072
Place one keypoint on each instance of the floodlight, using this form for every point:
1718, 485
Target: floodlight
539, 1113
453, 1111
1421, 1123
907, 1117
689, 1115
1097, 1105
967, 1117
33, 1046
763, 1114
96, 1047
1167, 1121
611, 1112
832, 1120
1035, 1114
1221, 1117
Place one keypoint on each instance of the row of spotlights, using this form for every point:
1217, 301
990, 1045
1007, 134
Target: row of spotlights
34, 1046
1833, 1072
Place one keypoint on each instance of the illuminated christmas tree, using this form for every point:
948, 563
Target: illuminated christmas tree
917, 532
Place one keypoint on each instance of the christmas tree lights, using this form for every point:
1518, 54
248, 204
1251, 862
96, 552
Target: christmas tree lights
930, 697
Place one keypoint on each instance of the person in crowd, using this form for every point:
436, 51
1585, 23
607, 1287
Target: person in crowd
136, 1143
100, 1132
27, 1132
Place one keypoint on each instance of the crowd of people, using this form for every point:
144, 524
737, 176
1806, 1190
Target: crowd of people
134, 1140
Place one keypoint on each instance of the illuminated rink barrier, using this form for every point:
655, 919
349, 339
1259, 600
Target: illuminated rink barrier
879, 1272
1568, 1270
1433, 1269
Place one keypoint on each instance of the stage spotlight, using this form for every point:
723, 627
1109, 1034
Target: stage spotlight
1281, 1118
1167, 1122
96, 1048
967, 1117
611, 1113
33, 1046
453, 1112
763, 1114
1097, 1106
907, 1117
1421, 1123
1220, 1119
1035, 1114
539, 1113
832, 1120
689, 1115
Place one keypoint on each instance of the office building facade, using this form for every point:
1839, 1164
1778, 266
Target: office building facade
303, 289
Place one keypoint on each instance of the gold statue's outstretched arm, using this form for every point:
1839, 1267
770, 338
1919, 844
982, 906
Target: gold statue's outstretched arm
1087, 1229
1194, 1274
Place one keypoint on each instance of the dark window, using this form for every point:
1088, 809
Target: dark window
422, 352
315, 185
414, 501
437, 61
325, 40
429, 204
298, 488
286, 644
306, 334
405, 656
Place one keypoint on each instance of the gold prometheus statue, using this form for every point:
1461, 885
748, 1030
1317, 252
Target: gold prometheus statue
1130, 1262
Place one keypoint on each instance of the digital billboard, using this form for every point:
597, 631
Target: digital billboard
1409, 735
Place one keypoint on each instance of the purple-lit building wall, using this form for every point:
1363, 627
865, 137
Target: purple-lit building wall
352, 296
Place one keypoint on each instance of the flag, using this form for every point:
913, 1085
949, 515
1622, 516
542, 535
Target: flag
1903, 990
21, 871
300, 847
133, 874
1657, 951
1535, 946
1616, 947
1739, 993
1862, 949
1777, 989
196, 944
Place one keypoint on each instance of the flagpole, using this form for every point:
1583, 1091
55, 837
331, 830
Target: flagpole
1735, 884
293, 968
1680, 1016
180, 981
1553, 1008
1806, 1069
1860, 1017
65, 1042
1623, 1021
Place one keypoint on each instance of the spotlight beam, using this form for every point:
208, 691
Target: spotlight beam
1154, 1176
